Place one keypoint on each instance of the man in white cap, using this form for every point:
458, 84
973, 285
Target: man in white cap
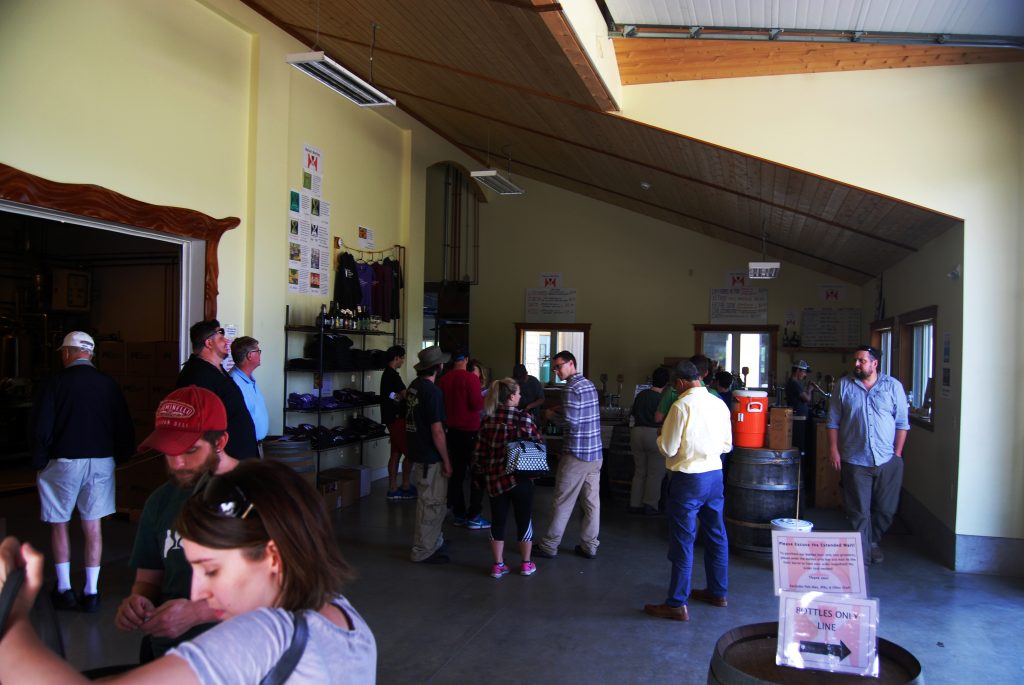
81, 426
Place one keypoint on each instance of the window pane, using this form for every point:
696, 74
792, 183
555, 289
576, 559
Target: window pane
718, 346
885, 347
536, 351
922, 363
573, 342
754, 355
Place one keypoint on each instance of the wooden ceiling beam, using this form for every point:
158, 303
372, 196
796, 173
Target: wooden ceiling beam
662, 60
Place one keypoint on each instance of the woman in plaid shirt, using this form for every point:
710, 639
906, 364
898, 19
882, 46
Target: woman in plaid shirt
503, 423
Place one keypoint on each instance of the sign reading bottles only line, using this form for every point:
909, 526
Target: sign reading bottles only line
828, 633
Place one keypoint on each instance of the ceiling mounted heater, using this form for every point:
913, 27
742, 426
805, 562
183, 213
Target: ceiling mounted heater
339, 79
492, 178
763, 270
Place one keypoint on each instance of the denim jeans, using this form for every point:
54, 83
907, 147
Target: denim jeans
693, 496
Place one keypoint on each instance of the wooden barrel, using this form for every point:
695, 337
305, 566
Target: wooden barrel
746, 656
760, 485
297, 454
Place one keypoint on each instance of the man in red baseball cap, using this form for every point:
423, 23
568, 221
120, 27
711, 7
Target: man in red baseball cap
191, 431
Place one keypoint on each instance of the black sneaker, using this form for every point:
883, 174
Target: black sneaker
543, 553
580, 552
64, 601
90, 604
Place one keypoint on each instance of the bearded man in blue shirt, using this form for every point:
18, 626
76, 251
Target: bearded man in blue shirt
867, 428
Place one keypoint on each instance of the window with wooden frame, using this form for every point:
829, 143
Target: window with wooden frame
882, 340
738, 347
537, 342
917, 354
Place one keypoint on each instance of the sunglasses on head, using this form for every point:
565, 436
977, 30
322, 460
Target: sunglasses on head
232, 504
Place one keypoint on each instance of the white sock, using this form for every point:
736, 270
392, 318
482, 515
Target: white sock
63, 576
92, 578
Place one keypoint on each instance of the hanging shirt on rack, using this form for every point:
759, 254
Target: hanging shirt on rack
396, 285
365, 273
346, 284
381, 290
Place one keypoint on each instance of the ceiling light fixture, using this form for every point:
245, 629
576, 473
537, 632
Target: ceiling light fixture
492, 178
763, 270
339, 79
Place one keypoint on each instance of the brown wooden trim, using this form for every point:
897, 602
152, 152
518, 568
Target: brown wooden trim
101, 203
520, 4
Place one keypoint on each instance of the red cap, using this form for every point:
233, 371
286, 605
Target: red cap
182, 417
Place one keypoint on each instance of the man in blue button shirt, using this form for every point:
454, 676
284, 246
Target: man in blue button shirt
867, 427
246, 353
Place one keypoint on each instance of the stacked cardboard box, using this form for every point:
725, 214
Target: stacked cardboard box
339, 487
780, 428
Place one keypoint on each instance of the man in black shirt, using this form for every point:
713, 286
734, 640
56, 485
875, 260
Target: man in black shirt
392, 415
204, 368
424, 429
81, 426
648, 463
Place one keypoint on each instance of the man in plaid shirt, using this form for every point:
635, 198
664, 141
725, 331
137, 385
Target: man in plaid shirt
579, 465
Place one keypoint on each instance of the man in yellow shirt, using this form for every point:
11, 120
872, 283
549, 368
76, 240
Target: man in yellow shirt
696, 433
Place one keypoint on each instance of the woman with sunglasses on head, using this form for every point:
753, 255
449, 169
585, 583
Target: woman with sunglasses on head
503, 423
264, 557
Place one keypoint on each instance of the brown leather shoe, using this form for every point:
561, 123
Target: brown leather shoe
665, 611
703, 595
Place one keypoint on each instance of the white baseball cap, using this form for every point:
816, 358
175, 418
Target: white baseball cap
79, 339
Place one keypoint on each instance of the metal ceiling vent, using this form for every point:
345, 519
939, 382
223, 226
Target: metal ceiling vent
492, 178
763, 270
338, 78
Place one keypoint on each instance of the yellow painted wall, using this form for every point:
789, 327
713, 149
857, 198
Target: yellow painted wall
947, 138
207, 115
641, 283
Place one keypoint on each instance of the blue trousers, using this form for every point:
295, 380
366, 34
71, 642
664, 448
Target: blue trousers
693, 496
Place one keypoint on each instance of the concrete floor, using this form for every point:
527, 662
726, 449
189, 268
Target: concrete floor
576, 620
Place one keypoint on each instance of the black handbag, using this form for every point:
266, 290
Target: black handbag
525, 457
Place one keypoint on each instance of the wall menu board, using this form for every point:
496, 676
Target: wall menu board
551, 305
831, 328
739, 306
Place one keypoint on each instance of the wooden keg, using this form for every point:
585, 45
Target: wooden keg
760, 485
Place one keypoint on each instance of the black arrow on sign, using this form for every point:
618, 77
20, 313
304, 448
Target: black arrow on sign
840, 650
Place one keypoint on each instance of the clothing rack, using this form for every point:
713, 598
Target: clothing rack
396, 252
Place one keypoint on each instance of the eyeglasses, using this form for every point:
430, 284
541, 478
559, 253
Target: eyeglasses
556, 367
219, 331
256, 351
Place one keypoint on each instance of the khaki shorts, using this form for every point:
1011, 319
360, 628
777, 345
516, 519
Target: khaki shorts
85, 483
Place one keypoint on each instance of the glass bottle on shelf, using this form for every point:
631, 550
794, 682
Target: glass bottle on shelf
334, 315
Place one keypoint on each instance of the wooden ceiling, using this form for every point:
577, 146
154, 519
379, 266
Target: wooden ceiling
489, 75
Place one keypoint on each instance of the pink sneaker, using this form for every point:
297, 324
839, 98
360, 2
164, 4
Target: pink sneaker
499, 570
528, 568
